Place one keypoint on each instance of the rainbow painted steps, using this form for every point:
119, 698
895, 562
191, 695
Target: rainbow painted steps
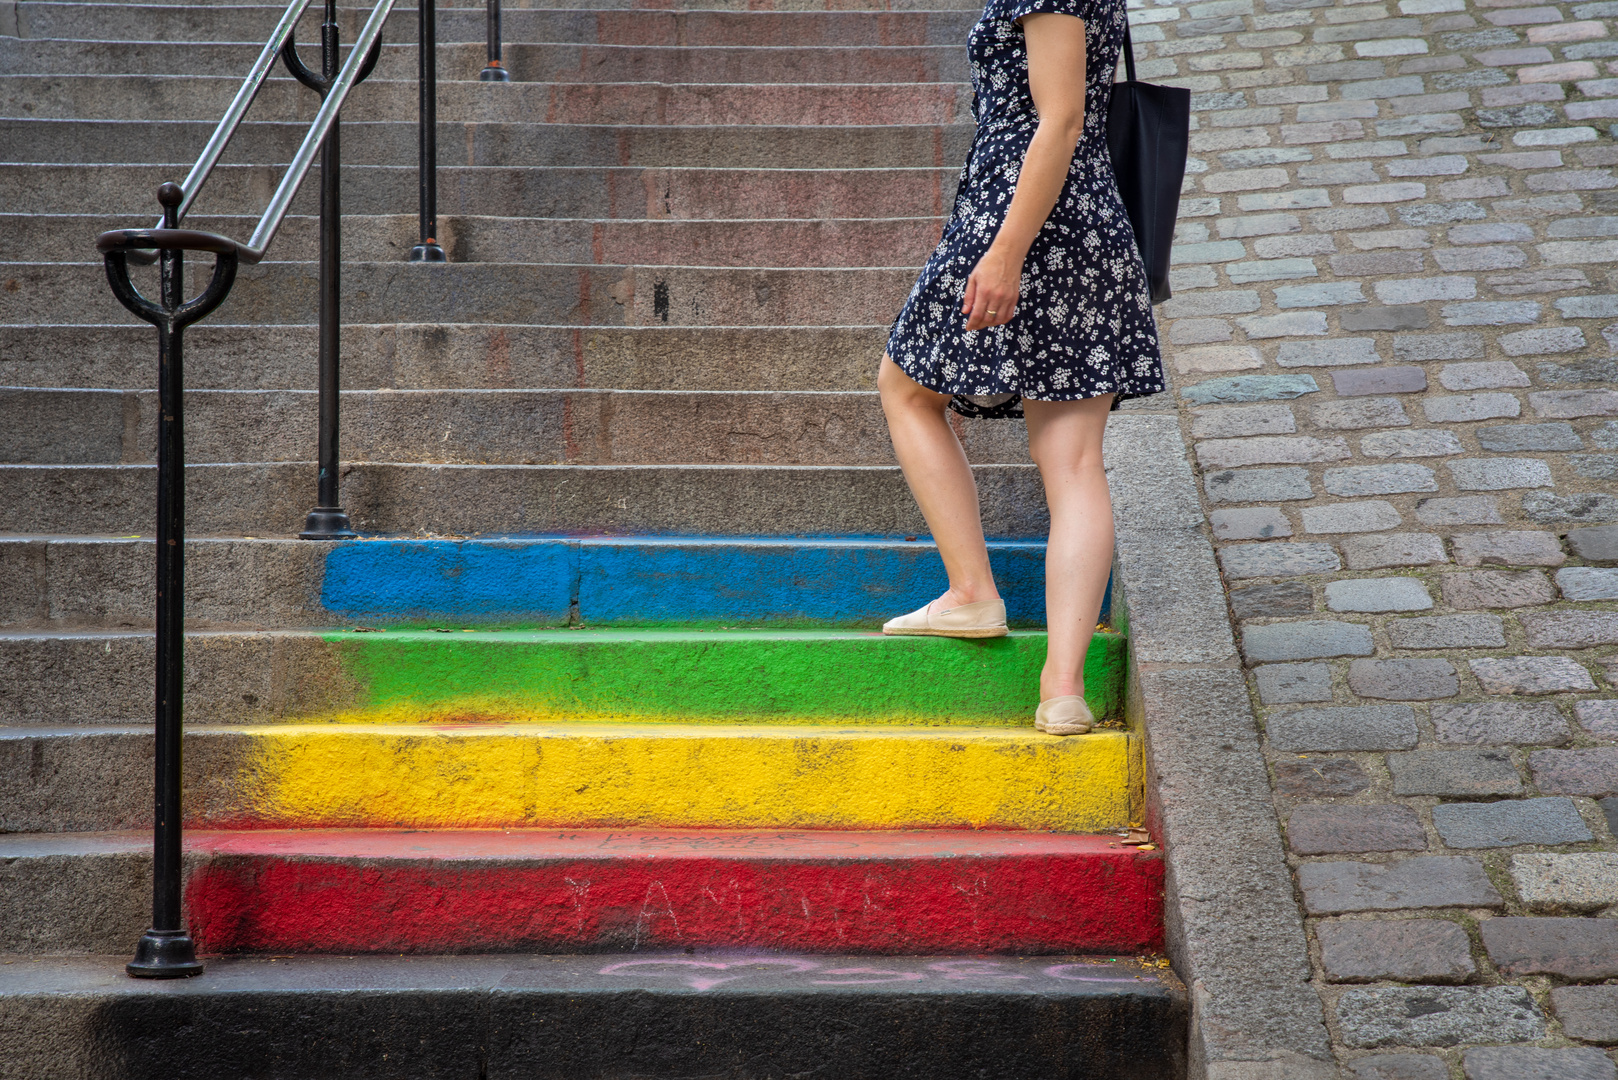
467, 675
392, 891
579, 775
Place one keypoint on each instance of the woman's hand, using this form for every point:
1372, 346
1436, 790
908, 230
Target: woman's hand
991, 290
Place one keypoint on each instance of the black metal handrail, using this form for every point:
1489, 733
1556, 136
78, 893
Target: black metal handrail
495, 71
166, 950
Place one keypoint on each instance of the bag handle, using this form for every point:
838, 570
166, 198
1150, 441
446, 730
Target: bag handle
1129, 53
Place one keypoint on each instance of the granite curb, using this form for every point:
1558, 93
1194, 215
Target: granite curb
1235, 932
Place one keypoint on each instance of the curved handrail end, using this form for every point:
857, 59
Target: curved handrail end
172, 240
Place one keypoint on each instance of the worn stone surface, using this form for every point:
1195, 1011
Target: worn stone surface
1587, 1012
1327, 829
1403, 680
1438, 1016
1597, 544
1249, 523
1497, 588
1454, 773
1291, 683
1307, 640
1530, 675
1464, 510
1588, 582
1357, 727
1277, 560
1599, 717
1520, 723
1570, 629
1576, 772
1378, 594
1579, 949
1507, 824
1537, 1063
1393, 549
1368, 516
1421, 881
1448, 632
1411, 950
1579, 881
1319, 777
1272, 601
1399, 1067
1509, 548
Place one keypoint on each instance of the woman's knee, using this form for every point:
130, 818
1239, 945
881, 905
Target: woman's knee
899, 390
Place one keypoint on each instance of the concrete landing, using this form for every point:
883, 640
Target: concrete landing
596, 890
673, 1015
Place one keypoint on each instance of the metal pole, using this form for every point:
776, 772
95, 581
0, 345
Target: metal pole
166, 950
427, 84
328, 520
495, 71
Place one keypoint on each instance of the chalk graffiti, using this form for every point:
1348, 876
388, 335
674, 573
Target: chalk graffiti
703, 975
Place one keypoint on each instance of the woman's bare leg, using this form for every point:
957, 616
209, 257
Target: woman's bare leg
1064, 439
935, 468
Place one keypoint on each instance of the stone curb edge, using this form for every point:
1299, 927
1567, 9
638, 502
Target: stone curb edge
1235, 933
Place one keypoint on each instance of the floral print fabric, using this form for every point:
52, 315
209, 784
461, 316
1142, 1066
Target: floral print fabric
1083, 325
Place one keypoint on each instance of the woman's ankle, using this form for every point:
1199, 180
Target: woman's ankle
1059, 686
954, 598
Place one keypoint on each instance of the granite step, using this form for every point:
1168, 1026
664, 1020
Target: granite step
782, 244
527, 293
534, 144
272, 499
486, 427
188, 97
661, 1015
101, 582
390, 891
127, 192
473, 771
142, 21
477, 356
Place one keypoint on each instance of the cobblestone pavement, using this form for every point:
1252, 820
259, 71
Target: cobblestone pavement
1392, 339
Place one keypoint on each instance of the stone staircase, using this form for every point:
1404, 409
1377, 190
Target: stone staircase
601, 678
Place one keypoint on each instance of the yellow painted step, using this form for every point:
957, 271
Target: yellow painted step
592, 774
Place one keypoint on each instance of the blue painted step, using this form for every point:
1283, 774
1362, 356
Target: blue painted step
653, 580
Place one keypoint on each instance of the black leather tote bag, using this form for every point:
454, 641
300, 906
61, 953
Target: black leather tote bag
1148, 130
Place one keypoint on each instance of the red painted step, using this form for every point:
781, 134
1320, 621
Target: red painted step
394, 891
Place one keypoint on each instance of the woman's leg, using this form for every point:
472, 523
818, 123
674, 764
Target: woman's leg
1064, 439
935, 468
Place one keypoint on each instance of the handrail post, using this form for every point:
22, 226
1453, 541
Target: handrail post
166, 951
427, 85
495, 71
328, 520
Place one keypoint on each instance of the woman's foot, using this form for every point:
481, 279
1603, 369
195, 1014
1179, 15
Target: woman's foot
1065, 715
983, 619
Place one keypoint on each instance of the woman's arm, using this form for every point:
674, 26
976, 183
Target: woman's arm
1056, 80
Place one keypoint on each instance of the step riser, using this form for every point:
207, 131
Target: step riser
527, 62
581, 776
590, 427
427, 677
272, 500
472, 892
478, 357
556, 1018
295, 583
190, 98
777, 244
533, 294
198, 22
126, 191
656, 146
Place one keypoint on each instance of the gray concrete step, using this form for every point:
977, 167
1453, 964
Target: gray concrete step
527, 61
771, 1015
532, 144
241, 22
271, 499
128, 191
488, 427
470, 239
204, 98
528, 293
415, 356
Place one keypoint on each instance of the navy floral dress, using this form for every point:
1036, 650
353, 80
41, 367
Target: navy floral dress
1083, 325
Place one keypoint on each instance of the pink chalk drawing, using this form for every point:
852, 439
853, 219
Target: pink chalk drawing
884, 976
974, 969
699, 981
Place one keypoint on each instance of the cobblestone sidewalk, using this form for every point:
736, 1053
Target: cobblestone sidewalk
1392, 337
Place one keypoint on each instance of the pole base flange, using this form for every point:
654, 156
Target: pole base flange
494, 73
164, 954
327, 523
430, 253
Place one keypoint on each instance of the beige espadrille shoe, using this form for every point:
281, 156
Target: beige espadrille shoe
1066, 715
984, 619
